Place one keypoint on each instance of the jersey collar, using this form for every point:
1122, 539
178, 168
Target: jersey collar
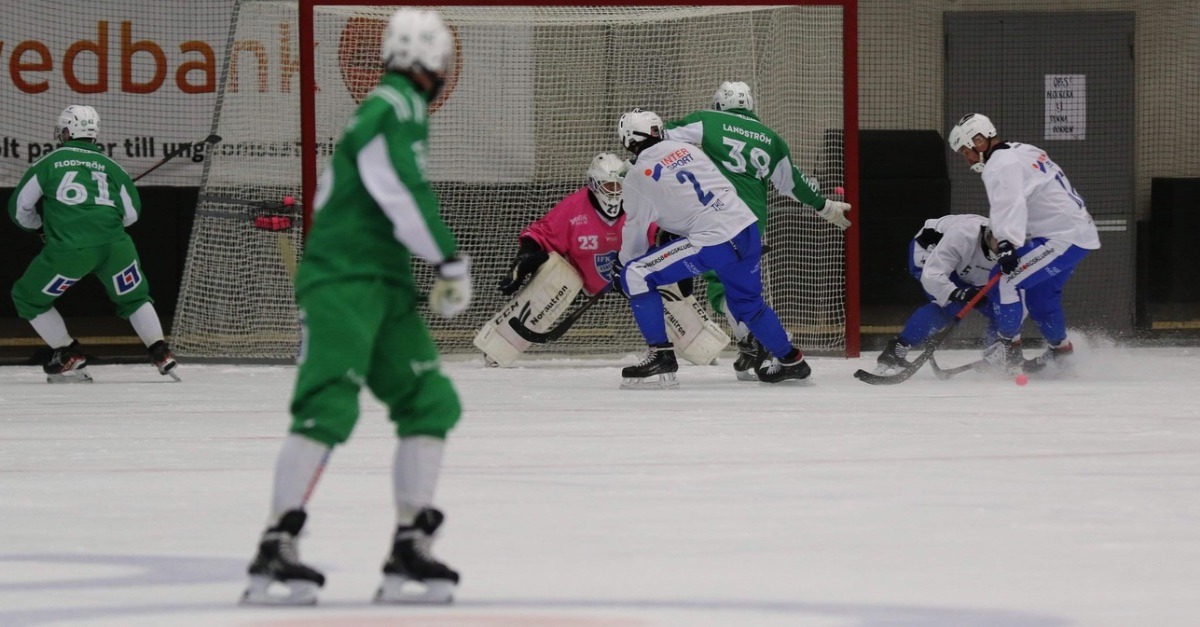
988, 154
84, 145
746, 113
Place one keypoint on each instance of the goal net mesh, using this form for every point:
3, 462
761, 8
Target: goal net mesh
534, 94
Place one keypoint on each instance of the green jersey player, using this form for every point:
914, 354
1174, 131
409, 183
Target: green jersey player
87, 201
358, 301
750, 155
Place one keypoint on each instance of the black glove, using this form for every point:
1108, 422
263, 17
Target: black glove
1006, 257
615, 277
928, 238
687, 287
963, 294
529, 258
41, 233
663, 236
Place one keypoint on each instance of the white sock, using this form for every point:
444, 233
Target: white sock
415, 469
50, 326
145, 322
297, 470
740, 330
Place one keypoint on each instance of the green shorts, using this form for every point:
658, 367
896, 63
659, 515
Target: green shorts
368, 332
55, 270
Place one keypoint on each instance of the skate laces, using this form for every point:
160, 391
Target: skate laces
285, 546
423, 546
651, 355
420, 542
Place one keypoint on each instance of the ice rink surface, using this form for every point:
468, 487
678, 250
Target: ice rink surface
570, 502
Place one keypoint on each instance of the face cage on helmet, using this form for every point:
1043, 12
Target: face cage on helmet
985, 234
607, 195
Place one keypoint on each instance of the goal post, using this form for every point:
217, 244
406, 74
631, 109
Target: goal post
533, 94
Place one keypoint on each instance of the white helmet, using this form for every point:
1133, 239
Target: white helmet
963, 134
604, 180
78, 121
416, 39
733, 95
637, 126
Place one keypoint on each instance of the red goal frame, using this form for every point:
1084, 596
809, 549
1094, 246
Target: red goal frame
308, 125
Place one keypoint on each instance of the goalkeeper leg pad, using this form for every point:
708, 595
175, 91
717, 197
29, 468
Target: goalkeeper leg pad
696, 337
538, 306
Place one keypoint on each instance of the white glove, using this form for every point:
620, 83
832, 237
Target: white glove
451, 293
835, 212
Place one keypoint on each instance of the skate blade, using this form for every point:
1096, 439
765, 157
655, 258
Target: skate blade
267, 591
401, 590
791, 381
75, 376
171, 373
746, 375
661, 382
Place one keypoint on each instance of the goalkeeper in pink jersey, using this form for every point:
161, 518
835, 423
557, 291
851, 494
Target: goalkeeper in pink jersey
585, 228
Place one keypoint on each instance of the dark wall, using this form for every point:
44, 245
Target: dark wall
903, 183
161, 236
1174, 267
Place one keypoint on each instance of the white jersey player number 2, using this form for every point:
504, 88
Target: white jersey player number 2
684, 176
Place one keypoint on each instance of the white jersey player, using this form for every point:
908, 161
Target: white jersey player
1043, 230
678, 186
951, 258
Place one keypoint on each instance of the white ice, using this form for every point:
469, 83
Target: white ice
570, 502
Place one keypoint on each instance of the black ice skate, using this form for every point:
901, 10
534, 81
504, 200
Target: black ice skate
891, 360
1060, 356
411, 574
656, 371
161, 357
1004, 356
750, 354
791, 367
276, 575
67, 365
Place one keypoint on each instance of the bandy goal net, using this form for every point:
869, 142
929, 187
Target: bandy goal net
533, 95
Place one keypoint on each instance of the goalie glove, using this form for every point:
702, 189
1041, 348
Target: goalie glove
529, 258
451, 293
834, 212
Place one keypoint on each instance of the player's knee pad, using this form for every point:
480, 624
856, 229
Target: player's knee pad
543, 300
326, 413
32, 300
433, 411
696, 337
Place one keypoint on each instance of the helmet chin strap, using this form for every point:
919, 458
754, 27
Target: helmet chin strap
978, 167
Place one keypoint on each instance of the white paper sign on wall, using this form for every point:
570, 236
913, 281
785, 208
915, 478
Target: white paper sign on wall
1066, 106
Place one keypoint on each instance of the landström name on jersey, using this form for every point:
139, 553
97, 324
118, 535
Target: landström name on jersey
762, 137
